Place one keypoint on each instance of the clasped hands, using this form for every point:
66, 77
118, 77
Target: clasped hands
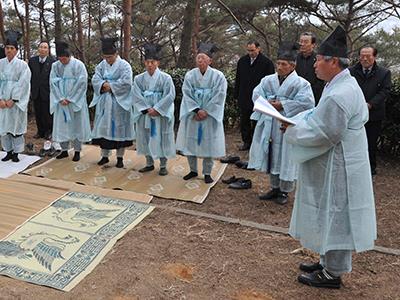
152, 112
65, 102
200, 115
6, 103
105, 88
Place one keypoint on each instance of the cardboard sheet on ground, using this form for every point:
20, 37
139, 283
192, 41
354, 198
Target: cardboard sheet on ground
172, 186
64, 242
8, 168
22, 196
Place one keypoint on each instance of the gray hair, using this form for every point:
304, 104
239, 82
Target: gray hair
344, 62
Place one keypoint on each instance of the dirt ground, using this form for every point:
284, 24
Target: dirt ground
174, 256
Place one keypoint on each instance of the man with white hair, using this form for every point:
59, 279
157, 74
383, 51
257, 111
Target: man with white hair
334, 210
201, 130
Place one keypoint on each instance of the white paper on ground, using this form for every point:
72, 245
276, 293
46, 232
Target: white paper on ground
8, 168
262, 105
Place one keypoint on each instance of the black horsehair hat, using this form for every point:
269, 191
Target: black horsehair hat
108, 45
12, 38
152, 51
62, 49
288, 51
335, 44
207, 48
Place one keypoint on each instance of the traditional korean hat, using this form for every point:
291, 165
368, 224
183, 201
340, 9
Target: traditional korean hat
207, 48
12, 38
62, 49
334, 44
152, 51
288, 51
108, 45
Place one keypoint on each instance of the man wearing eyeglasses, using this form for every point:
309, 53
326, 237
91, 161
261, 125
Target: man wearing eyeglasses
375, 82
251, 68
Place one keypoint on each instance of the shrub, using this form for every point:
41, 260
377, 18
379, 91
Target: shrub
389, 141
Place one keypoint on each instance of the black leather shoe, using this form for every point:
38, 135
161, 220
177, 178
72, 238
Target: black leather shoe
103, 161
231, 179
15, 157
146, 169
320, 278
8, 157
163, 172
62, 155
242, 184
190, 175
229, 159
281, 199
241, 164
310, 267
208, 179
77, 156
244, 147
270, 195
120, 162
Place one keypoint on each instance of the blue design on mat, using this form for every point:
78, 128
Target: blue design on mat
47, 248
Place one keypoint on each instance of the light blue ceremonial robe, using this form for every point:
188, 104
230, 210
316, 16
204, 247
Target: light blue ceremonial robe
114, 112
69, 82
295, 95
15, 83
154, 135
334, 206
208, 92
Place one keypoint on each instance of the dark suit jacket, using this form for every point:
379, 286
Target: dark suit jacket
2, 53
249, 76
305, 69
40, 78
376, 88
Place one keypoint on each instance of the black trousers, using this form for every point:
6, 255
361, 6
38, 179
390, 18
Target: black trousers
44, 121
373, 129
247, 126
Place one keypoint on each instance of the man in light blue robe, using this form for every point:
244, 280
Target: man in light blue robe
112, 84
290, 94
153, 99
15, 77
334, 210
68, 85
201, 130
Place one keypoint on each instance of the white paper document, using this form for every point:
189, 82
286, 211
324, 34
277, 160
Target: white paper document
262, 105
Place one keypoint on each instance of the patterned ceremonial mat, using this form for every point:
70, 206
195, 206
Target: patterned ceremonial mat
64, 242
172, 186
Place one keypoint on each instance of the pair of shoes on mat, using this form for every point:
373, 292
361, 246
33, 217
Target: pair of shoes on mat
207, 178
229, 159
11, 156
317, 276
162, 172
64, 154
105, 160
